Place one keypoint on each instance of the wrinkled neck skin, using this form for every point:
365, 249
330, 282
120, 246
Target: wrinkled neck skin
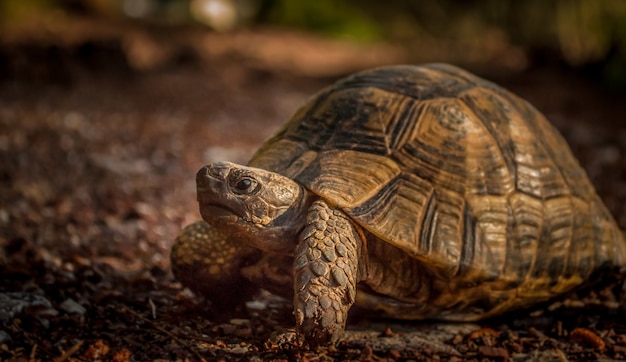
280, 235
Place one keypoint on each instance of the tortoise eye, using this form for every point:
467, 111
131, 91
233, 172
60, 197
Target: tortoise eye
245, 185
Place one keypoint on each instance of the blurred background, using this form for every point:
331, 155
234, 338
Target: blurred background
504, 35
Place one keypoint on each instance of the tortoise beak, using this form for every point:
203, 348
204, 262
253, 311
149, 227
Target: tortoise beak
213, 194
211, 180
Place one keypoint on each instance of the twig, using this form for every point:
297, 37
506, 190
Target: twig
164, 331
33, 353
69, 352
152, 308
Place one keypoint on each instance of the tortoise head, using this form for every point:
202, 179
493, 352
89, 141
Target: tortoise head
250, 205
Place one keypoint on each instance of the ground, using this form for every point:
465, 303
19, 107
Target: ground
100, 138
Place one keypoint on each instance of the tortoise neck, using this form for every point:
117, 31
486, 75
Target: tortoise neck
295, 215
282, 233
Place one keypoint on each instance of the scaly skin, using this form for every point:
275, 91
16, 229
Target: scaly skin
207, 262
326, 273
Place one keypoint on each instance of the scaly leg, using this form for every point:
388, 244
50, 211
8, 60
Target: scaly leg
326, 273
204, 260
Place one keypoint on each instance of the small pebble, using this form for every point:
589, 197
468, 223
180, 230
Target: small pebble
4, 336
72, 307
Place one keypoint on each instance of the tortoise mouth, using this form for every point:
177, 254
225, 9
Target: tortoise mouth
217, 210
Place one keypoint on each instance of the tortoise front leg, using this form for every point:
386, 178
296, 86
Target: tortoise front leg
326, 272
208, 262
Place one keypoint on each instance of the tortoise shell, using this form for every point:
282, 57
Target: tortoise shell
456, 172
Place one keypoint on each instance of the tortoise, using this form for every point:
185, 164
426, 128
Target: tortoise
417, 192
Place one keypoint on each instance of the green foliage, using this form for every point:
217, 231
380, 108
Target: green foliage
345, 19
580, 32
11, 10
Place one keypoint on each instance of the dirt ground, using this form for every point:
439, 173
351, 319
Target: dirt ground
100, 139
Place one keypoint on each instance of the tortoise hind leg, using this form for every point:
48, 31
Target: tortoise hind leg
326, 273
207, 262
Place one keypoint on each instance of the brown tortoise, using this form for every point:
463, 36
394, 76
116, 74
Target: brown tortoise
434, 193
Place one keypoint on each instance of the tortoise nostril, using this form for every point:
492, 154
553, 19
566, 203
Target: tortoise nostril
218, 170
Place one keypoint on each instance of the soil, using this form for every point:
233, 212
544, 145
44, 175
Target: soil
100, 139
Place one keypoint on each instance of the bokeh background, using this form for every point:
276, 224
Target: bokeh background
586, 36
108, 108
